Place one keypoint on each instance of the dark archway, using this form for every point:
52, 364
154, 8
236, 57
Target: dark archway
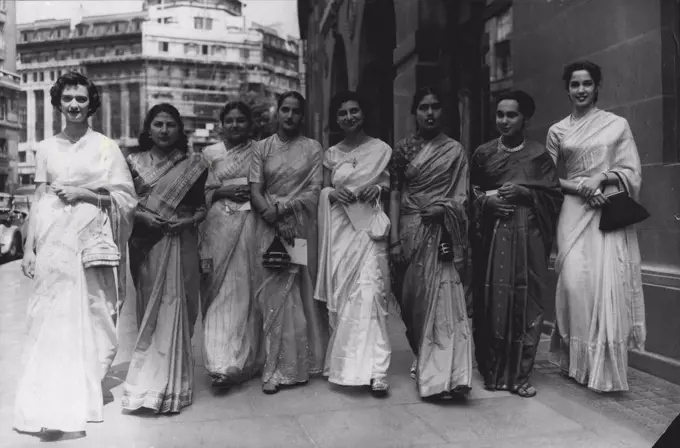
376, 76
339, 83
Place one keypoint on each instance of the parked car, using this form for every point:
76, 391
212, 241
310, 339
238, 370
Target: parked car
13, 224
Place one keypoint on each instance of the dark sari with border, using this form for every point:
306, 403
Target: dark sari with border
510, 260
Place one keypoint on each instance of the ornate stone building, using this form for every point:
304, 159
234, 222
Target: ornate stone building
9, 95
195, 56
474, 49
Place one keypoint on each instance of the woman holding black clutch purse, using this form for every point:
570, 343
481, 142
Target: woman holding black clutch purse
428, 249
599, 299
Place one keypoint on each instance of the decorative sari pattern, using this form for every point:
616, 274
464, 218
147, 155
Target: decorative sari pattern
72, 311
431, 292
231, 319
165, 271
510, 260
599, 300
353, 276
294, 339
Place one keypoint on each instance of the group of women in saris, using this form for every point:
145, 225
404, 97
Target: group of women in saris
294, 256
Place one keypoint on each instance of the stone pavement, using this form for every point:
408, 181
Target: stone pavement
319, 415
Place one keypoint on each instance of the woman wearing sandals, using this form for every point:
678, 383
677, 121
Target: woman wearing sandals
516, 201
353, 277
428, 211
285, 179
599, 300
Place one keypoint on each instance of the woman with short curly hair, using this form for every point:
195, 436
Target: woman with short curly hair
78, 231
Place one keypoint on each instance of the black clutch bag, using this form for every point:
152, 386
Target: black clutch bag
445, 247
276, 257
621, 211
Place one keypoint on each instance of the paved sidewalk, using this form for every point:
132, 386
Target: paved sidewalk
319, 415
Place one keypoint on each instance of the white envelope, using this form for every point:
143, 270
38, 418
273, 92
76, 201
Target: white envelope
492, 192
237, 181
360, 214
298, 253
245, 206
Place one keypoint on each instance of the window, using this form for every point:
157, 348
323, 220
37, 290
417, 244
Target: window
26, 179
52, 75
245, 53
120, 51
208, 23
35, 77
24, 78
163, 47
204, 49
22, 156
198, 23
42, 76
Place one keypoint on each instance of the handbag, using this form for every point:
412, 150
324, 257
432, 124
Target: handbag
379, 227
621, 210
276, 257
99, 249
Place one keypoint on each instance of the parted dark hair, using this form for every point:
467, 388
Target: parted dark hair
292, 94
592, 68
422, 93
527, 105
240, 106
145, 142
75, 79
341, 98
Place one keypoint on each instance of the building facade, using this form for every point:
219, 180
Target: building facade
473, 50
9, 96
195, 56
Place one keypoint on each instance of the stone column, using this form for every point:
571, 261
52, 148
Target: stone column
48, 113
30, 116
125, 111
106, 111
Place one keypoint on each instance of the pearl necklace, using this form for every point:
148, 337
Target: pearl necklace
510, 150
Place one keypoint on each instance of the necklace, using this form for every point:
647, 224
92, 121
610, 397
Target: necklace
71, 139
510, 150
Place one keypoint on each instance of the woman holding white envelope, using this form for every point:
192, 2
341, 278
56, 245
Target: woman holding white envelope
231, 333
353, 275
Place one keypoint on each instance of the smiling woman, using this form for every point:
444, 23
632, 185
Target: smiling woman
78, 230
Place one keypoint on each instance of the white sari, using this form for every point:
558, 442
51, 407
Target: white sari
353, 276
71, 314
599, 300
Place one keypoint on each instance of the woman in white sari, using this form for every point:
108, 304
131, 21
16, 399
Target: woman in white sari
599, 301
353, 276
228, 255
78, 230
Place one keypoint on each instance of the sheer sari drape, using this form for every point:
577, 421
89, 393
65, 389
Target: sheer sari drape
166, 275
599, 300
353, 277
231, 320
294, 337
71, 313
431, 292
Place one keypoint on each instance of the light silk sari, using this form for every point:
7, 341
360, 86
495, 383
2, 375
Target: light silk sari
599, 300
166, 275
71, 313
294, 337
353, 276
231, 320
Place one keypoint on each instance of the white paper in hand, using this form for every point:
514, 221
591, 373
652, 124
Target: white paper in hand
298, 252
245, 206
360, 215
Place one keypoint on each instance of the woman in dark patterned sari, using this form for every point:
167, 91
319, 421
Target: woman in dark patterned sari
428, 201
516, 202
164, 263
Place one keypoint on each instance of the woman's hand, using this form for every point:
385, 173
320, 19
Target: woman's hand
499, 208
397, 252
342, 195
511, 192
369, 193
236, 193
597, 200
588, 188
432, 212
28, 263
287, 232
270, 215
151, 220
179, 225
71, 195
